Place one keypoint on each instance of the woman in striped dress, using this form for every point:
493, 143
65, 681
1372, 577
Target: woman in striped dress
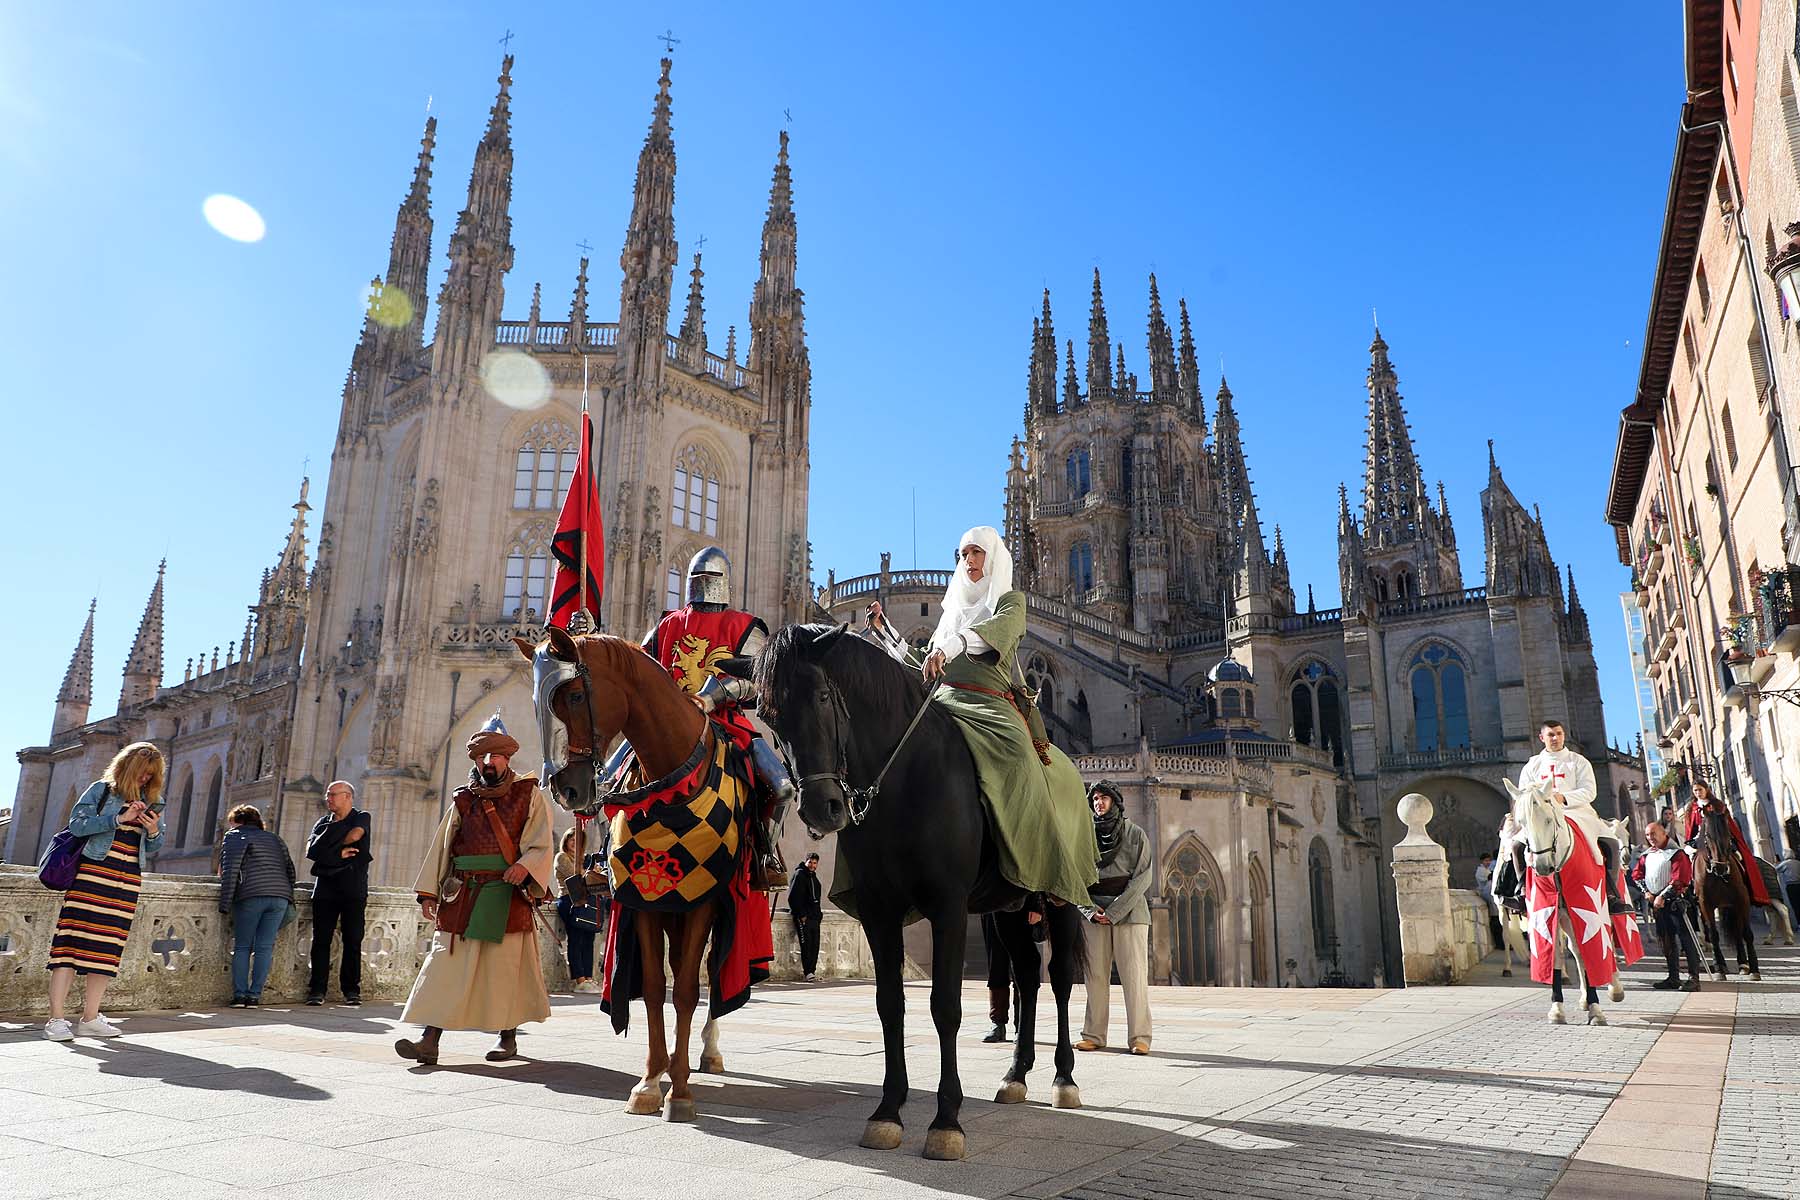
119, 817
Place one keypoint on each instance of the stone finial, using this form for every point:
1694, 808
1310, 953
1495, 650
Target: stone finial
1416, 812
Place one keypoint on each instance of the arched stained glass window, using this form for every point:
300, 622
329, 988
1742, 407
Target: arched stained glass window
529, 573
1440, 691
544, 466
694, 498
1425, 709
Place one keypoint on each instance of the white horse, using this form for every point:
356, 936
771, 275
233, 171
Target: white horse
1549, 843
1515, 936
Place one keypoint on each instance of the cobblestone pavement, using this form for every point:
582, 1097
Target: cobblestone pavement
1444, 1092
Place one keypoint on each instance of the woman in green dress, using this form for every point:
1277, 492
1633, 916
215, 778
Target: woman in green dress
1036, 797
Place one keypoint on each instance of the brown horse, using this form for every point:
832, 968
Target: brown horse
1724, 893
601, 687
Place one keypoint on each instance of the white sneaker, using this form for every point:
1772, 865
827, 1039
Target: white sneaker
587, 987
99, 1027
57, 1029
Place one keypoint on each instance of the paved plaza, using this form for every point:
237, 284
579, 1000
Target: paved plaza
1431, 1092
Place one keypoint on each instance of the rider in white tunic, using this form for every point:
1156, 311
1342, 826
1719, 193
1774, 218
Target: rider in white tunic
1571, 780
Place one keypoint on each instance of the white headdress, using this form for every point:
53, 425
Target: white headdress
968, 603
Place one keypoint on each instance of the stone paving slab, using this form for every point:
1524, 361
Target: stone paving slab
1441, 1093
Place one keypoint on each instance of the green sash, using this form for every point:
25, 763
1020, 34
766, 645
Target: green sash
493, 899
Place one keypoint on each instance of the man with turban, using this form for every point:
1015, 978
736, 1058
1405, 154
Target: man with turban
491, 860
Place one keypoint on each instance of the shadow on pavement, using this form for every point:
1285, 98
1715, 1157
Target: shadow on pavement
139, 1061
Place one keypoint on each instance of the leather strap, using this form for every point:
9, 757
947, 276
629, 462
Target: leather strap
508, 847
1011, 702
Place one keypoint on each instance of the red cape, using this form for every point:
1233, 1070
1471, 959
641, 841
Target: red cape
1759, 892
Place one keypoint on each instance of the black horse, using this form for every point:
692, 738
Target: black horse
923, 847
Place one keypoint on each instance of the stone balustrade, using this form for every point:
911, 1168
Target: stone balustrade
179, 954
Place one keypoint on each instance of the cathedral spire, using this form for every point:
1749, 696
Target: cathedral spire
1071, 381
778, 352
1391, 469
1122, 382
578, 309
1042, 399
1253, 557
693, 323
1193, 400
144, 664
647, 260
281, 604
402, 298
481, 250
77, 692
1099, 363
1228, 453
1163, 377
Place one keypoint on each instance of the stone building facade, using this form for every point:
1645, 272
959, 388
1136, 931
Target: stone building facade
450, 465
1265, 743
1704, 501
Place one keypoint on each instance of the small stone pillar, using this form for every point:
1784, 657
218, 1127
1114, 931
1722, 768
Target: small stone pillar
1422, 898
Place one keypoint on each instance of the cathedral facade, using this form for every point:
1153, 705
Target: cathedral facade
1264, 744
450, 464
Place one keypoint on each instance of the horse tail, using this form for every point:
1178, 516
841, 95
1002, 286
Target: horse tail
1074, 937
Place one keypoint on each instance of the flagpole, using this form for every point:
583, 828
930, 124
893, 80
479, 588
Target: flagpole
581, 566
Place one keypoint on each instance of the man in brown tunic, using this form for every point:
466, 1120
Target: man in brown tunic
492, 856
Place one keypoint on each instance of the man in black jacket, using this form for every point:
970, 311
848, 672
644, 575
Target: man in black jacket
804, 904
339, 852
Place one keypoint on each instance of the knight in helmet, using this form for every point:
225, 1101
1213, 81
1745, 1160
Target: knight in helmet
491, 860
709, 648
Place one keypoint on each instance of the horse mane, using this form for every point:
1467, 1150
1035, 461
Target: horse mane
864, 673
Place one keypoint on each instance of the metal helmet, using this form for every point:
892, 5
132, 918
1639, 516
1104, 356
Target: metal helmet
709, 578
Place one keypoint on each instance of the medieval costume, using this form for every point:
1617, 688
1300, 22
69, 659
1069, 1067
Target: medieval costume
1696, 816
483, 971
1042, 825
1571, 779
1122, 939
707, 647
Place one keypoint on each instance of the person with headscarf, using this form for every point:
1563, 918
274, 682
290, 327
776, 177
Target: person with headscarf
1118, 924
490, 861
1045, 837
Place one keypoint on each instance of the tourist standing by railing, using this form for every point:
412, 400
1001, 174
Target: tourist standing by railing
256, 886
580, 922
339, 850
119, 820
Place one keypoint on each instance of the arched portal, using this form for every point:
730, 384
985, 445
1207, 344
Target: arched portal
1196, 894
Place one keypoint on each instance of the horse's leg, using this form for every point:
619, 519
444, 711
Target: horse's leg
712, 1059
1714, 939
949, 930
886, 948
646, 1097
1747, 939
690, 930
1021, 953
1068, 946
1556, 990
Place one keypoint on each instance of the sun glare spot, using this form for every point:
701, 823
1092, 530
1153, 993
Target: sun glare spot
388, 305
515, 379
233, 218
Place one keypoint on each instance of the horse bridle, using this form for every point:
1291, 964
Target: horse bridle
559, 679
858, 800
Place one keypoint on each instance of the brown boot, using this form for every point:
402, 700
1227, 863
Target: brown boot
506, 1047
425, 1050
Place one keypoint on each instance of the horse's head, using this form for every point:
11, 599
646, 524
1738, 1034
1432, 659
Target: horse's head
801, 703
1548, 840
577, 715
1716, 843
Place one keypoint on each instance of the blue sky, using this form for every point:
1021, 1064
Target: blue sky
1491, 177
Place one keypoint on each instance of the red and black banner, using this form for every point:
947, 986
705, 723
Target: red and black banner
580, 520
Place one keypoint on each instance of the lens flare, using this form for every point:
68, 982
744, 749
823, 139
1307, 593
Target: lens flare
388, 305
515, 379
233, 218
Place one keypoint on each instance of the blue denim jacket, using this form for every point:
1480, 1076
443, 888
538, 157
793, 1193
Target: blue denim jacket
95, 818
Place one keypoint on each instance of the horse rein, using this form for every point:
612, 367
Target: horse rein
860, 799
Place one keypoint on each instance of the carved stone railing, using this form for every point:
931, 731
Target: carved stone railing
1457, 756
604, 336
1216, 772
494, 635
1436, 602
179, 951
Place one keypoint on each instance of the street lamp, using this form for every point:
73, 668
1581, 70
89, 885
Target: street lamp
1741, 664
1784, 269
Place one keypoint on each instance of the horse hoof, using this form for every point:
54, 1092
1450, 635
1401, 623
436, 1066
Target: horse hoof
1506, 972
712, 1064
881, 1135
646, 1100
1617, 992
945, 1145
1065, 1095
1556, 1015
1756, 976
1011, 1092
678, 1110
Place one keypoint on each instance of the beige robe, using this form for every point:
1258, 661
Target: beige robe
489, 986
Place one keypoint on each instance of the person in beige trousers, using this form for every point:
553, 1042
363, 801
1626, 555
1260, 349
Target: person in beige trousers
1118, 924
